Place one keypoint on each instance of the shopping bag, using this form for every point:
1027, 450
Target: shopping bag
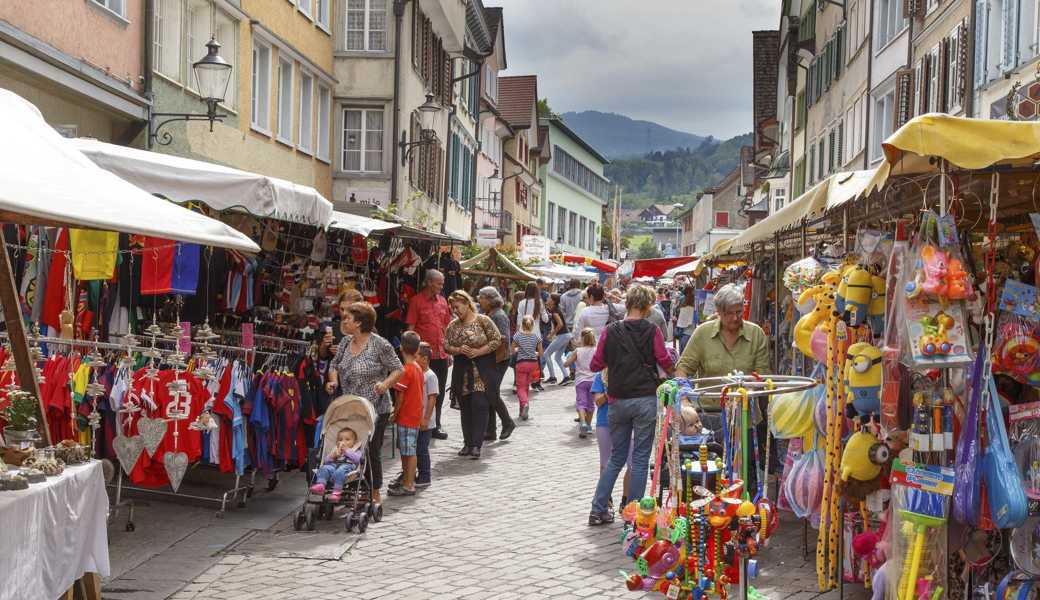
1004, 488
966, 492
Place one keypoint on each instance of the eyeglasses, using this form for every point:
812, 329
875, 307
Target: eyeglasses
736, 312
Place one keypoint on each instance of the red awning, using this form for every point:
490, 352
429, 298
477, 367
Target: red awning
600, 265
655, 267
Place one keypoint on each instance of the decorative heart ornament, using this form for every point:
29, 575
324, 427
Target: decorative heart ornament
176, 466
151, 431
128, 450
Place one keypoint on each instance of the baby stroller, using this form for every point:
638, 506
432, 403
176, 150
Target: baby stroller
358, 414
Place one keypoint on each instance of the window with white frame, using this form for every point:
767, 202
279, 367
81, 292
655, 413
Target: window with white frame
890, 21
812, 163
934, 98
884, 121
116, 6
306, 137
324, 115
954, 77
227, 36
1027, 42
363, 140
167, 44
322, 13
306, 7
550, 222
848, 146
490, 83
366, 25
261, 87
285, 90
582, 229
196, 25
931, 5
572, 229
561, 222
592, 235
779, 198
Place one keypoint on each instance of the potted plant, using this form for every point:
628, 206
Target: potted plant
20, 416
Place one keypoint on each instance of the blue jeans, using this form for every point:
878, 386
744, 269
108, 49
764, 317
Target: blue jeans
422, 456
555, 352
338, 474
632, 421
683, 335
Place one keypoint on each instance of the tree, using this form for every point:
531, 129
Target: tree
648, 249
544, 110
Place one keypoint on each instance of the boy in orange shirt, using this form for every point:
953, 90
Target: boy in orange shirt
408, 412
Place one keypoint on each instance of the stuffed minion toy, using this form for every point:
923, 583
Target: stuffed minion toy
863, 378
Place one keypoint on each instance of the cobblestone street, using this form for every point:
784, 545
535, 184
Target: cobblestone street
509, 526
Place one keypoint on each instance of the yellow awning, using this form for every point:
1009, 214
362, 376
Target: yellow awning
965, 143
826, 195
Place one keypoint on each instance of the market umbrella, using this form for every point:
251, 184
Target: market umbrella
45, 180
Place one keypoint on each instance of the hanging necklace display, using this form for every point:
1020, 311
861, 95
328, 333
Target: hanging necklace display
177, 409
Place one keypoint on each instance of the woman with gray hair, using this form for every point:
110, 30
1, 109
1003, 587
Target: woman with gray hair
722, 345
491, 304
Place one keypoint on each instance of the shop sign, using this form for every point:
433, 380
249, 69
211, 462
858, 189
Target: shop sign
534, 247
487, 238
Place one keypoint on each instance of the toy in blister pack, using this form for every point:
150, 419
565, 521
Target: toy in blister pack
1024, 431
1016, 350
936, 334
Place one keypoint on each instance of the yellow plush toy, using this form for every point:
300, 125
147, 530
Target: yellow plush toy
855, 293
823, 295
863, 377
856, 459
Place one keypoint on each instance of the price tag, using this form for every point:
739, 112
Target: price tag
247, 336
184, 344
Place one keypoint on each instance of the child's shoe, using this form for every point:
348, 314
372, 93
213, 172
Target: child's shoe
318, 488
581, 431
335, 496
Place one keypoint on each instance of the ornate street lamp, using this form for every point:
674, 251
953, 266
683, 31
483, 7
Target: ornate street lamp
212, 76
426, 133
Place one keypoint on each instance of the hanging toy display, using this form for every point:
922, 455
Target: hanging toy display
1017, 347
706, 534
862, 379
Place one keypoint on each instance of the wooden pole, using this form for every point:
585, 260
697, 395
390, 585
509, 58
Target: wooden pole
776, 302
19, 343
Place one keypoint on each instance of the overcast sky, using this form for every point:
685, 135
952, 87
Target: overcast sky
685, 64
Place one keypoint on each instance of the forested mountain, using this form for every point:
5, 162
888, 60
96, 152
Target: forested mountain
618, 136
660, 175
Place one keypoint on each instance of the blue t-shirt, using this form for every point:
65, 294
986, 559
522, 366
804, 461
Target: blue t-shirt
601, 411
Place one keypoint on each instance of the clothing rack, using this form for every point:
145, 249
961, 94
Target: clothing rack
224, 499
111, 346
282, 342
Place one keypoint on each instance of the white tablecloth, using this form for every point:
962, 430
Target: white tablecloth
53, 533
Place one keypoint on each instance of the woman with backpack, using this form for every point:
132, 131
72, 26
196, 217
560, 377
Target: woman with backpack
634, 347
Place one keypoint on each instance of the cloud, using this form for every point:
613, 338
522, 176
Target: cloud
682, 63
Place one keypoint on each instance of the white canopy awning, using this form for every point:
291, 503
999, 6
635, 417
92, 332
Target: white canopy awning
686, 269
562, 272
358, 224
221, 188
44, 179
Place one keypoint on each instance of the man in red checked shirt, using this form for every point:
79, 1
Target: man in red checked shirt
429, 315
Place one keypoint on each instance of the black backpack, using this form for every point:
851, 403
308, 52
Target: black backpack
634, 356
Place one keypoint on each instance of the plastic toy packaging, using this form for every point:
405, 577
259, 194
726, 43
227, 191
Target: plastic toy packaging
1025, 437
936, 267
920, 505
935, 334
802, 275
1016, 350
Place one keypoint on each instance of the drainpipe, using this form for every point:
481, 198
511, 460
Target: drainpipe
399, 7
870, 75
149, 40
969, 66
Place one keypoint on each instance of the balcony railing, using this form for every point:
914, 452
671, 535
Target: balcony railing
490, 215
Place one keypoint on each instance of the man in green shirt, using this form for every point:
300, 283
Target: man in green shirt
727, 343
720, 346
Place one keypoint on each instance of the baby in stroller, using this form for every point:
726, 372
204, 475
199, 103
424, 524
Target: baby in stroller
338, 465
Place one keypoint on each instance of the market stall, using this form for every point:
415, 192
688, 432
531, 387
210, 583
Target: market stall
910, 292
53, 516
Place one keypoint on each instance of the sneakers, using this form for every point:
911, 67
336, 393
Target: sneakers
465, 451
439, 435
551, 380
584, 430
524, 410
537, 386
318, 488
422, 485
567, 380
474, 453
600, 518
335, 496
400, 491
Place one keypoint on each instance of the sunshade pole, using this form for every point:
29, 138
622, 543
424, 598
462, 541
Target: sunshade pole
776, 301
19, 343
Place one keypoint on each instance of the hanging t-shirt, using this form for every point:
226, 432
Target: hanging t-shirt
169, 267
93, 254
149, 471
